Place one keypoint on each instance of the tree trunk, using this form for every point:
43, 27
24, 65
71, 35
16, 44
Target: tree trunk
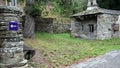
29, 24
29, 27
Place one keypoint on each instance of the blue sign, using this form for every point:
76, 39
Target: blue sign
13, 26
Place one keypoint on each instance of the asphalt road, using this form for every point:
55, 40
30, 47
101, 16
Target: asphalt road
109, 60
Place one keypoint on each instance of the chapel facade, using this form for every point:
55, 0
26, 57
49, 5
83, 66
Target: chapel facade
95, 23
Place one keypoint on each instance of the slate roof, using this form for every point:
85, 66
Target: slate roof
97, 11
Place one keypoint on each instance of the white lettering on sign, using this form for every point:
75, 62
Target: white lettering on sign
12, 26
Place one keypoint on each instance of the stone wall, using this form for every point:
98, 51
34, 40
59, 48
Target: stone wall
104, 28
81, 29
75, 27
86, 29
61, 28
44, 25
47, 25
118, 22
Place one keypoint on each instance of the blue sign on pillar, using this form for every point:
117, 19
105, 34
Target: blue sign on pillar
13, 26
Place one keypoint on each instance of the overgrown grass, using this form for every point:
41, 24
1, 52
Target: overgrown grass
62, 50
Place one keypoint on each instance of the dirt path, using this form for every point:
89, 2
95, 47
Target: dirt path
39, 60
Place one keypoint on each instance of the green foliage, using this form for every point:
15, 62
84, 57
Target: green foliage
109, 4
65, 8
79, 5
20, 1
61, 49
34, 10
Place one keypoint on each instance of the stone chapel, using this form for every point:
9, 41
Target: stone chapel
95, 23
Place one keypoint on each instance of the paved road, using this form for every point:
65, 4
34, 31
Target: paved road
109, 60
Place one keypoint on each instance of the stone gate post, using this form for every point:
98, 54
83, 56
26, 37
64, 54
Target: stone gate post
11, 38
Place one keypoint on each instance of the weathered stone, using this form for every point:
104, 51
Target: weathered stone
96, 23
61, 28
11, 46
47, 25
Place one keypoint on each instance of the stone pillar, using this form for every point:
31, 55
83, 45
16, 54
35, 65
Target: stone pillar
95, 2
89, 2
11, 39
92, 4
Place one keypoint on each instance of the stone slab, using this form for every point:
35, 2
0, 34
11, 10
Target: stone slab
109, 60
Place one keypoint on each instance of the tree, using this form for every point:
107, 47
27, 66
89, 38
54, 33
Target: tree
78, 5
32, 10
109, 4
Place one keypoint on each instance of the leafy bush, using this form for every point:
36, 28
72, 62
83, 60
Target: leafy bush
34, 10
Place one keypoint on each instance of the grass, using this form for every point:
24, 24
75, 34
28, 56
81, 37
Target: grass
62, 50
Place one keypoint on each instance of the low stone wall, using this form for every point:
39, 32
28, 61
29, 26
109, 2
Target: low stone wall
47, 25
44, 25
61, 28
